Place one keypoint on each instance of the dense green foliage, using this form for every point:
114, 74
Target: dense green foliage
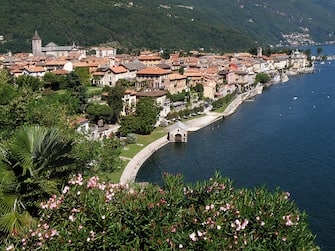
39, 146
33, 163
143, 121
24, 103
212, 215
95, 112
114, 100
213, 25
262, 78
223, 101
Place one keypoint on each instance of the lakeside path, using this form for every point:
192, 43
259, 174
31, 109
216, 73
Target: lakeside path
132, 168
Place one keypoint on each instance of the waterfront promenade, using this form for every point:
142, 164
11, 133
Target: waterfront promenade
132, 168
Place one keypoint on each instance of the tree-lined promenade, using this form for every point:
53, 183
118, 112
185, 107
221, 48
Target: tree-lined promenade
56, 126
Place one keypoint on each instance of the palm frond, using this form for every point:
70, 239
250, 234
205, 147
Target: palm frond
14, 221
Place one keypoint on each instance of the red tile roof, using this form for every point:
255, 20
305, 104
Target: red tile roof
176, 76
98, 73
152, 71
119, 69
80, 64
148, 58
151, 94
34, 69
60, 72
56, 62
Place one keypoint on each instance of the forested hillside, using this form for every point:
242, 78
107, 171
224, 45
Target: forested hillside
187, 24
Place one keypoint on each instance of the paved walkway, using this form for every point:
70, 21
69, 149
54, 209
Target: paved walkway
130, 172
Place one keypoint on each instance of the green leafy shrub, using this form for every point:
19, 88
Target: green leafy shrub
212, 215
131, 138
223, 101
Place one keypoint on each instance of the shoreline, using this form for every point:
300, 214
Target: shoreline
130, 172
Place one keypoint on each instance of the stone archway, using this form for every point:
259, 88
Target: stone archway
178, 138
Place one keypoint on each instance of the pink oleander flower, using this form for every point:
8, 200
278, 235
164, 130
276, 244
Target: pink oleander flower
72, 218
10, 247
66, 189
244, 224
223, 209
74, 210
76, 180
286, 195
92, 182
54, 232
193, 237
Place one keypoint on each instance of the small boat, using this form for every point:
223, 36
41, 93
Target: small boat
295, 98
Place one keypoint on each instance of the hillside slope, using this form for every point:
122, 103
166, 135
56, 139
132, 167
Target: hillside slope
187, 24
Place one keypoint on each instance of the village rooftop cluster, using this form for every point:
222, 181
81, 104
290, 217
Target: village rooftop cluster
154, 76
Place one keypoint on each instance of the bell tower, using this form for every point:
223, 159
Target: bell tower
36, 43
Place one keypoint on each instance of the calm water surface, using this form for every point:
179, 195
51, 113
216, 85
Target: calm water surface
285, 138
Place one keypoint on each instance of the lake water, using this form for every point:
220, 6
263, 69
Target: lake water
285, 138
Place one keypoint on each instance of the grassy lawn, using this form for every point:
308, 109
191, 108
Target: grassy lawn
60, 91
221, 109
142, 141
94, 90
114, 177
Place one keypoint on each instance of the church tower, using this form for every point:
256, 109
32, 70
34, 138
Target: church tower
36, 45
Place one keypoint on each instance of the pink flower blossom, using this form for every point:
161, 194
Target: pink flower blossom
286, 195
10, 247
92, 182
74, 210
72, 218
76, 180
66, 189
54, 232
193, 237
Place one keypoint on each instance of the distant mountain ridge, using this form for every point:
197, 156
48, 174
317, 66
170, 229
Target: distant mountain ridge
155, 24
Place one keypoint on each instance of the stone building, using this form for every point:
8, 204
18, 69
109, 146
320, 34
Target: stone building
52, 49
178, 133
